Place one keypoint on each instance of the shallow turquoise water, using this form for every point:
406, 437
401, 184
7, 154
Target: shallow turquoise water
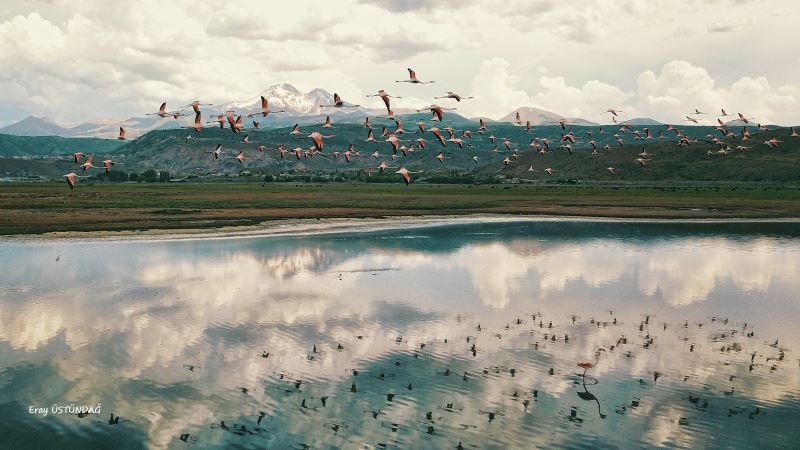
166, 334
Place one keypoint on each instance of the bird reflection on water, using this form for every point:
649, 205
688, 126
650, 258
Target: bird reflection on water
470, 339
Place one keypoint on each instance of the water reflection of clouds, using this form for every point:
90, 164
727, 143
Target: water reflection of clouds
157, 311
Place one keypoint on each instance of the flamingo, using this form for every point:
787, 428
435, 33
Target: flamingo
642, 162
328, 123
265, 109
724, 114
382, 166
412, 78
246, 139
240, 157
107, 163
441, 157
531, 169
198, 122
88, 165
295, 129
220, 120
406, 174
745, 119
338, 103
437, 111
773, 142
793, 132
162, 111
77, 156
256, 124
588, 365
367, 123
549, 171
318, 141
697, 111
518, 119
438, 135
71, 179
392, 139
692, 119
613, 112
196, 105
454, 96
385, 97
121, 136
217, 151
370, 137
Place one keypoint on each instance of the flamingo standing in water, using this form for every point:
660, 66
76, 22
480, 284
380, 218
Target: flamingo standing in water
412, 78
588, 365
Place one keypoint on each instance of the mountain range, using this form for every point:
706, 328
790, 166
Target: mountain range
300, 107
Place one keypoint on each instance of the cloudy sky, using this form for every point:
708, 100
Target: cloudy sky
73, 61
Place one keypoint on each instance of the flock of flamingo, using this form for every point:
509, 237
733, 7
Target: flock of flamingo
460, 138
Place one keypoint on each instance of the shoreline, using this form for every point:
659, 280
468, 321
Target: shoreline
336, 225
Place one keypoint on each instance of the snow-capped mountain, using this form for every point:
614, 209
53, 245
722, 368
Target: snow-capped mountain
286, 97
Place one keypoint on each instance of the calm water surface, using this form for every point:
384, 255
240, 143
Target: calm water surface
365, 339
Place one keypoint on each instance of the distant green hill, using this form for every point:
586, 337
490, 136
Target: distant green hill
169, 150
54, 145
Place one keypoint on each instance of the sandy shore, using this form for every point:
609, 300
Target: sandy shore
304, 227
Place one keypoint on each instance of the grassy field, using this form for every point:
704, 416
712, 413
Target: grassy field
41, 208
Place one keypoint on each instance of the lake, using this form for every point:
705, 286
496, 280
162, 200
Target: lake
459, 335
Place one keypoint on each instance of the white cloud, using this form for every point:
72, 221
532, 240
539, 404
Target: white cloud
73, 61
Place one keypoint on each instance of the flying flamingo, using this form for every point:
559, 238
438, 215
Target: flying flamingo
121, 136
338, 103
437, 111
265, 108
318, 141
162, 111
88, 165
198, 122
406, 174
196, 105
107, 163
454, 96
370, 137
438, 135
71, 179
328, 123
692, 119
77, 156
745, 119
240, 157
295, 129
412, 78
613, 112
385, 97
217, 151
